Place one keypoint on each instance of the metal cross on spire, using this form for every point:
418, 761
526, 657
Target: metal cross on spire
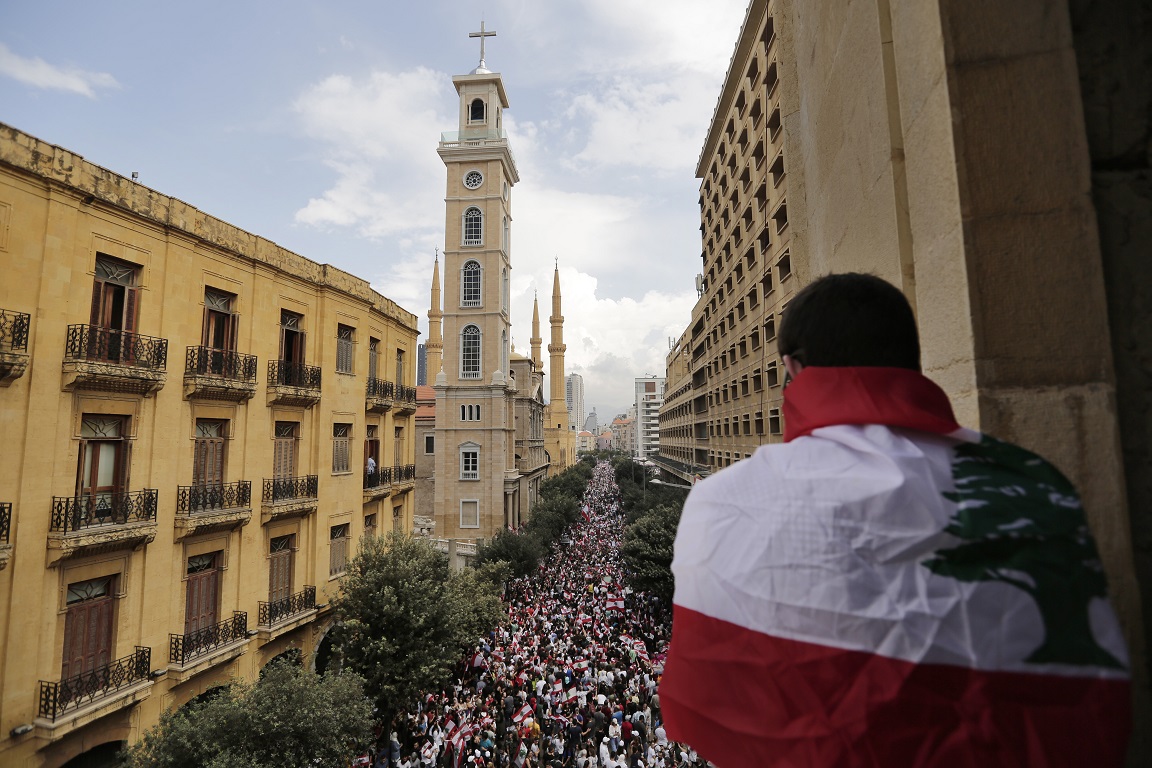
482, 34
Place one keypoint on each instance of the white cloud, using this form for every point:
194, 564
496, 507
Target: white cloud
375, 135
609, 341
39, 73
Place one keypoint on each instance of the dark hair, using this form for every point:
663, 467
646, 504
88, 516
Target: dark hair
850, 319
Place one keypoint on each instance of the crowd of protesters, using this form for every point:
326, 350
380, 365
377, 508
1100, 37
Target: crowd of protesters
569, 681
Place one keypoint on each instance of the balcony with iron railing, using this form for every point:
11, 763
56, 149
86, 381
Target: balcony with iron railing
377, 483
5, 533
403, 478
109, 360
219, 374
289, 497
194, 652
279, 616
79, 699
217, 506
14, 328
405, 399
100, 521
379, 395
293, 384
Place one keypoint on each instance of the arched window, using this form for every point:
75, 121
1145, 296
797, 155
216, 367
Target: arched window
470, 352
473, 226
503, 350
470, 284
476, 111
504, 289
507, 242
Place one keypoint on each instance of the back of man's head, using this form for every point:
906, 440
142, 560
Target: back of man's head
850, 319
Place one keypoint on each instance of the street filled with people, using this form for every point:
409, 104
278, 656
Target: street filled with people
570, 680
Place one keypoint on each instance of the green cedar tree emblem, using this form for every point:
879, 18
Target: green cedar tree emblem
1022, 524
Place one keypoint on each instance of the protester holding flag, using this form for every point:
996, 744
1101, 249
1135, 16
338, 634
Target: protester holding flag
886, 588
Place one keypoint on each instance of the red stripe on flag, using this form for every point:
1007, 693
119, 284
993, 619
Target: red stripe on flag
742, 698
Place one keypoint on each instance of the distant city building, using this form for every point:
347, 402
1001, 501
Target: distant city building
591, 423
574, 397
585, 441
649, 398
421, 365
623, 433
604, 442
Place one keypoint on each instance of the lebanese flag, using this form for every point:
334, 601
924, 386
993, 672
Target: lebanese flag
573, 694
558, 686
888, 589
524, 712
580, 664
615, 603
477, 659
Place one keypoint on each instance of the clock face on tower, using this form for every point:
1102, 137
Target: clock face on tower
473, 179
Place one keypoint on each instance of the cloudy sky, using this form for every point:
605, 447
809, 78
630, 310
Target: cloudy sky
315, 125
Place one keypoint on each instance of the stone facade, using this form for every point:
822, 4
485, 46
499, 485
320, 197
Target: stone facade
185, 450
948, 147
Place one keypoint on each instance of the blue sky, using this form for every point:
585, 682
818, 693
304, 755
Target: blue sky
315, 125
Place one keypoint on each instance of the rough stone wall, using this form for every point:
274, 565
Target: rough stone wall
1113, 44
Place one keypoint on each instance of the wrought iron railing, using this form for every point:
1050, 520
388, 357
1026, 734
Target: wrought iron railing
405, 394
284, 373
278, 610
185, 648
205, 361
202, 498
381, 388
14, 330
402, 472
72, 513
381, 477
5, 521
107, 345
287, 488
58, 698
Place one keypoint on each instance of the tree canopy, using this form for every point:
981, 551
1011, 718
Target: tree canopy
647, 550
289, 717
403, 618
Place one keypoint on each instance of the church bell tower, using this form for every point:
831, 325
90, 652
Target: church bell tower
476, 475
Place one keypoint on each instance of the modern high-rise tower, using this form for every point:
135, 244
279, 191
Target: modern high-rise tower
574, 398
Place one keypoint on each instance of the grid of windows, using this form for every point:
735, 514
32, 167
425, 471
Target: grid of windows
470, 464
344, 348
473, 226
469, 513
470, 284
341, 435
470, 352
470, 412
338, 551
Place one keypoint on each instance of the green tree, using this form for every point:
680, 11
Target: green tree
1022, 524
403, 619
289, 717
521, 551
647, 551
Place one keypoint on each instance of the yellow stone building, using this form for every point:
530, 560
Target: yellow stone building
991, 161
199, 427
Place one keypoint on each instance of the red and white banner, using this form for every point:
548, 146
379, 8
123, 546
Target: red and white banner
522, 714
887, 589
615, 603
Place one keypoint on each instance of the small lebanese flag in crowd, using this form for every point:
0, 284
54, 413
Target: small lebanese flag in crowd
498, 655
522, 677
362, 760
558, 686
888, 589
580, 664
524, 712
615, 603
572, 695
477, 659
585, 511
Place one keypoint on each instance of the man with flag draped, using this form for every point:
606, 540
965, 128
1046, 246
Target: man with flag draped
887, 588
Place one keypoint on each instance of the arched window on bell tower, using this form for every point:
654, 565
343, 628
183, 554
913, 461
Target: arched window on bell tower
470, 286
470, 352
473, 226
476, 112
